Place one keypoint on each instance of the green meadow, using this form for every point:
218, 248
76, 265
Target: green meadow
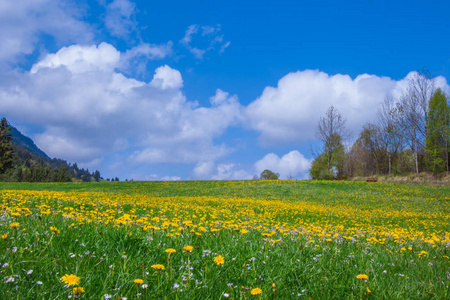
224, 239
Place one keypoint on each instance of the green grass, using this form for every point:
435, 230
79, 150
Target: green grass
305, 239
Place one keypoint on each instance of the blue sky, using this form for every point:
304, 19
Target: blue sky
169, 90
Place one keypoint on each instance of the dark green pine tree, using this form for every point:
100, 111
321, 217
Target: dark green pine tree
97, 175
6, 149
63, 174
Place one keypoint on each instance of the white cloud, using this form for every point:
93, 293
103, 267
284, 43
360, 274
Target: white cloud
135, 60
81, 59
209, 29
290, 111
220, 97
207, 38
87, 110
149, 51
188, 151
22, 22
293, 164
153, 177
208, 170
171, 178
231, 172
198, 53
224, 46
119, 18
203, 170
186, 40
167, 78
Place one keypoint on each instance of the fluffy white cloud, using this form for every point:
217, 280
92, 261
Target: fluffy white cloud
81, 59
230, 172
203, 170
290, 111
167, 78
22, 22
208, 170
88, 109
293, 164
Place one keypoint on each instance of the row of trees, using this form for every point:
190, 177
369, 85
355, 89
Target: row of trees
22, 165
411, 134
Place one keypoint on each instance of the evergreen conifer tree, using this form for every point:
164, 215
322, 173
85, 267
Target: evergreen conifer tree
6, 149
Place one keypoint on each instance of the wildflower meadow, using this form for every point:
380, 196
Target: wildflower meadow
224, 239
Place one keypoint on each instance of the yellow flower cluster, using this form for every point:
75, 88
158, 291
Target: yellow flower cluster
401, 215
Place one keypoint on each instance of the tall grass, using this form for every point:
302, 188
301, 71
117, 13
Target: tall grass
278, 240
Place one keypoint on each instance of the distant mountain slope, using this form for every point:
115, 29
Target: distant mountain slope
31, 164
26, 143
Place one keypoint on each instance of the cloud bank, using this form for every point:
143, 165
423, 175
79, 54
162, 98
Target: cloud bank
290, 111
87, 109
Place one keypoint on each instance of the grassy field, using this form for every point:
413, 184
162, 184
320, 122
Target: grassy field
218, 240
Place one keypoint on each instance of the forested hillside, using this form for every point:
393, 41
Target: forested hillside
21, 160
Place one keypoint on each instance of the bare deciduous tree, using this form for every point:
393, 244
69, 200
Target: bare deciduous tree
388, 122
422, 86
414, 109
331, 131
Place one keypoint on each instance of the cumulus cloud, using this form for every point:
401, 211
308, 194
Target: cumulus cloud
88, 109
291, 165
231, 172
22, 22
81, 59
198, 40
167, 78
290, 111
208, 170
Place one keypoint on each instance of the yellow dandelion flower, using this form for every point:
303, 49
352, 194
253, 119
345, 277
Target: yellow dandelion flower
362, 277
244, 231
4, 236
171, 250
368, 290
219, 260
138, 281
71, 279
158, 267
188, 248
54, 229
78, 291
256, 291
14, 224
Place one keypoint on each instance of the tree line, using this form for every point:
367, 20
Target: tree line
410, 134
22, 165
